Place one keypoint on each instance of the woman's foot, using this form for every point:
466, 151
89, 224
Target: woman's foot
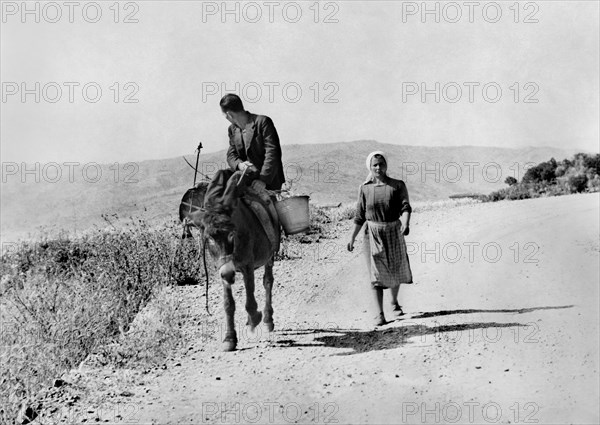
397, 309
379, 320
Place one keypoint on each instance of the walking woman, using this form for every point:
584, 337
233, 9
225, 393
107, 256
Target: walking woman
383, 204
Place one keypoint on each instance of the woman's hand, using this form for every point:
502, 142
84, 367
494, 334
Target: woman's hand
404, 229
404, 223
351, 245
357, 228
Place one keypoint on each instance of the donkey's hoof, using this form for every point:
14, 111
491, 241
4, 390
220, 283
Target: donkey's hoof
270, 326
254, 321
229, 343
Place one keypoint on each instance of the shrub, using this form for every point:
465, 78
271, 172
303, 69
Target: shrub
543, 172
592, 163
467, 196
594, 184
344, 212
323, 224
552, 179
577, 183
512, 193
63, 298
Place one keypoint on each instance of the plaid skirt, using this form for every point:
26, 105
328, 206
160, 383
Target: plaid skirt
387, 259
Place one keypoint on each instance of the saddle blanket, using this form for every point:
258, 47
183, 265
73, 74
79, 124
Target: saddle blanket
265, 211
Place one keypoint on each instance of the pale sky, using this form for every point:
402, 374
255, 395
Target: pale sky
181, 58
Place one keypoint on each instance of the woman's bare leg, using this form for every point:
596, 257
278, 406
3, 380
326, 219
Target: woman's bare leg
396, 307
378, 305
377, 297
395, 295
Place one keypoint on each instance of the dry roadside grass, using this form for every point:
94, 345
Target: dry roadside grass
64, 298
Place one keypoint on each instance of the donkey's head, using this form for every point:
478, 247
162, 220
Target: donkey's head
218, 227
220, 234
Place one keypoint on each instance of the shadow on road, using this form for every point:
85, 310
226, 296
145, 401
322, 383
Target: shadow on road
469, 311
406, 332
384, 339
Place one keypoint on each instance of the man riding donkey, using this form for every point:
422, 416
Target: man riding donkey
254, 150
245, 235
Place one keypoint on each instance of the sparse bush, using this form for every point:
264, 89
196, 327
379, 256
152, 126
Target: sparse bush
152, 334
556, 189
590, 162
64, 298
552, 179
344, 212
513, 192
467, 196
323, 224
594, 184
577, 183
543, 172
325, 220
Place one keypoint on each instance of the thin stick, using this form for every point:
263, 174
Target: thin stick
197, 172
242, 178
197, 158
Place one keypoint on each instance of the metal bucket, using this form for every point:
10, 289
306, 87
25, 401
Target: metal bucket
293, 214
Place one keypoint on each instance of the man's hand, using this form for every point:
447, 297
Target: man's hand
243, 165
258, 185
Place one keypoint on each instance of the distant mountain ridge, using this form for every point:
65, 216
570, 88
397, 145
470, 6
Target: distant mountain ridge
330, 173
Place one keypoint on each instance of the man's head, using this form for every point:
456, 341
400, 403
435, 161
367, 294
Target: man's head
231, 106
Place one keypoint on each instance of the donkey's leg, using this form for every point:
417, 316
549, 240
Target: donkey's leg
230, 341
268, 284
254, 316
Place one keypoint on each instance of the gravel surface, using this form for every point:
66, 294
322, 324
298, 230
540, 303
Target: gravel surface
501, 326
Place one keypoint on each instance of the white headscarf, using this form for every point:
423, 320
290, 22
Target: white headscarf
368, 163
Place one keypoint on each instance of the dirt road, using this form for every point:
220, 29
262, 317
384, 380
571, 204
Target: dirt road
501, 327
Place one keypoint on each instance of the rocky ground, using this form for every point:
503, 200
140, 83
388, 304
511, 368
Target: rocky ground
501, 326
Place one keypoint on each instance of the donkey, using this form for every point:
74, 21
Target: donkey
237, 241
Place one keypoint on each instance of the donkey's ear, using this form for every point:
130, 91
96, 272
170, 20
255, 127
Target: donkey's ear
231, 237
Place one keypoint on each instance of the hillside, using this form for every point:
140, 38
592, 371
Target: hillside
328, 172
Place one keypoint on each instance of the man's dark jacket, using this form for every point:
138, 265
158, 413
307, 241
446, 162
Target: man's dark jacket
263, 149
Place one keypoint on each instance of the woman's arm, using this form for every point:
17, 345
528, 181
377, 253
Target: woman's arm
355, 232
359, 218
405, 210
404, 222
